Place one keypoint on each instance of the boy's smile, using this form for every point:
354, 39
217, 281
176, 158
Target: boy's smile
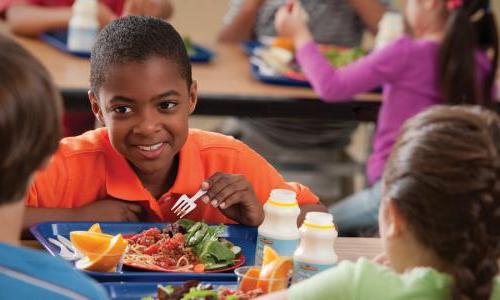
145, 107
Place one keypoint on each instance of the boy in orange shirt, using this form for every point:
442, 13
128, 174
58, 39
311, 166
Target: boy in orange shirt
137, 166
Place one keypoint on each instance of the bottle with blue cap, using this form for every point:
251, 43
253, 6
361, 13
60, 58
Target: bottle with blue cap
316, 249
279, 229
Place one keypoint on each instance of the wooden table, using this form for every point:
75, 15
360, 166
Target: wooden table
225, 86
346, 248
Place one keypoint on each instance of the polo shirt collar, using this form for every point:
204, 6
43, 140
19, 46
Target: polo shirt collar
123, 183
121, 180
191, 171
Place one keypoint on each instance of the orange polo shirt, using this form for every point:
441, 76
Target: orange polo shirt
87, 168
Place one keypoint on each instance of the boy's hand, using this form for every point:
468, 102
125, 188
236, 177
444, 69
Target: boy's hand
110, 211
235, 197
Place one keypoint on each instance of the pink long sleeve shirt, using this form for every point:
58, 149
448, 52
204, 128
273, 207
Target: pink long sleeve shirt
407, 70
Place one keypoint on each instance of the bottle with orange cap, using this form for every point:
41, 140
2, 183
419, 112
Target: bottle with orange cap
316, 249
279, 229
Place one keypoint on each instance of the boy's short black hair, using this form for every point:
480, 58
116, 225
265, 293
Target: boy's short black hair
135, 39
30, 119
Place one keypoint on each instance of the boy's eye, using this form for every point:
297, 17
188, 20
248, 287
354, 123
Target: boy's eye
167, 105
122, 109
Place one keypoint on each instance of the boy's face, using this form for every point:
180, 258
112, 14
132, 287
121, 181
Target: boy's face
145, 107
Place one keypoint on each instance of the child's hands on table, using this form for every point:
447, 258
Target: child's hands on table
234, 196
110, 211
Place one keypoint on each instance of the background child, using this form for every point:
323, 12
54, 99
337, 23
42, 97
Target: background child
306, 149
438, 218
146, 156
441, 61
30, 130
32, 17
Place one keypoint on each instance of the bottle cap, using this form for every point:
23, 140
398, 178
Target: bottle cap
319, 220
282, 197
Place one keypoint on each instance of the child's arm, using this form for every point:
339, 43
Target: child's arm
98, 211
370, 11
32, 20
157, 8
241, 25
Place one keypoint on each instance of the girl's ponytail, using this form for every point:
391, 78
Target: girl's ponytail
470, 26
449, 195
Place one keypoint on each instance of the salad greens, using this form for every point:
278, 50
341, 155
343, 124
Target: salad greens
342, 57
204, 240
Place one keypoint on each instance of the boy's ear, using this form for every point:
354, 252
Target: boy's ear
396, 223
193, 96
96, 109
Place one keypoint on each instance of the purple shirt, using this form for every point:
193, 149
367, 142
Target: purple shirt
407, 70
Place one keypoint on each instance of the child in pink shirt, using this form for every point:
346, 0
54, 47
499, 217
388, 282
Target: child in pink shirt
440, 61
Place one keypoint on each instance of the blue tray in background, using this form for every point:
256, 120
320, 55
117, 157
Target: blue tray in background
137, 290
277, 79
242, 236
58, 39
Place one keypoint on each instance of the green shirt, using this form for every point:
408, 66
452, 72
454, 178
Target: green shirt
367, 280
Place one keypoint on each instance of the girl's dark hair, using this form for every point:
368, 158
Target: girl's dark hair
30, 119
443, 177
469, 28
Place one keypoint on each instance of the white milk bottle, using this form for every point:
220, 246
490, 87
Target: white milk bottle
315, 252
279, 229
83, 25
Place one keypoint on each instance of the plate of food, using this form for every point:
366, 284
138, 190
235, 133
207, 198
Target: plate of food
184, 246
220, 249
190, 289
274, 61
58, 39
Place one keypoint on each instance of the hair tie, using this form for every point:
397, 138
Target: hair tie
454, 4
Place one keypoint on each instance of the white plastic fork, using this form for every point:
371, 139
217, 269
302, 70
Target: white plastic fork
69, 244
185, 205
64, 252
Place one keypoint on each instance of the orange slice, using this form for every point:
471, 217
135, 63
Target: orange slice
250, 280
108, 259
95, 228
90, 243
268, 255
274, 276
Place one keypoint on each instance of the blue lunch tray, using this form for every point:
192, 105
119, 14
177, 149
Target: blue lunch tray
242, 236
137, 290
58, 39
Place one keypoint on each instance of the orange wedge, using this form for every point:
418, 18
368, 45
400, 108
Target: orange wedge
268, 255
274, 276
95, 228
106, 260
250, 280
90, 243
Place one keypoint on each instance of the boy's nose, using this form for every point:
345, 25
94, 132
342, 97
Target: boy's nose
147, 124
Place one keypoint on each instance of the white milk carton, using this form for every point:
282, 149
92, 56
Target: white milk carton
315, 252
83, 26
279, 229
